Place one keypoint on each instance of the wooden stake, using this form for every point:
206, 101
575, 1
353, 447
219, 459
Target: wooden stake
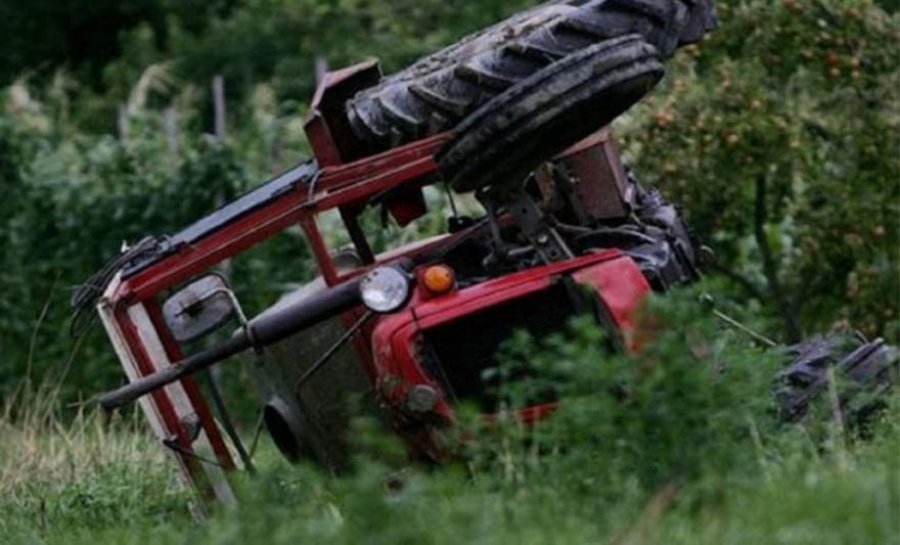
218, 91
170, 116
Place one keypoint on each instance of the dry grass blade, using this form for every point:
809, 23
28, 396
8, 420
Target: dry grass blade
40, 450
653, 512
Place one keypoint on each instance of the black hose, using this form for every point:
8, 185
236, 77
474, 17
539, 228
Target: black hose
84, 299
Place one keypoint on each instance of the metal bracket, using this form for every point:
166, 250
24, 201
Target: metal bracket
536, 227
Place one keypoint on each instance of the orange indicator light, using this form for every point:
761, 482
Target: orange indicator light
439, 279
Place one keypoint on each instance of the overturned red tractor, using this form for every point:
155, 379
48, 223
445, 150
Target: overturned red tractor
558, 227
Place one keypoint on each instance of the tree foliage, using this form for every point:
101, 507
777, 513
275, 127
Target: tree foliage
779, 135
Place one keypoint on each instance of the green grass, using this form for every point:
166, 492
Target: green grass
684, 450
127, 495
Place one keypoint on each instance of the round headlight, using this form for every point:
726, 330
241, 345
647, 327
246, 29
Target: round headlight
384, 289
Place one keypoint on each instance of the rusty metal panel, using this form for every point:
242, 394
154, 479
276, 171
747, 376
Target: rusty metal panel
600, 183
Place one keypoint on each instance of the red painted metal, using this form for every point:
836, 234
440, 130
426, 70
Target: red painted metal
320, 249
326, 126
464, 302
335, 187
190, 261
601, 190
623, 288
364, 171
164, 405
396, 339
198, 403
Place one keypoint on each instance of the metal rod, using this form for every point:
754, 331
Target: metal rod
228, 424
263, 331
741, 327
334, 348
186, 367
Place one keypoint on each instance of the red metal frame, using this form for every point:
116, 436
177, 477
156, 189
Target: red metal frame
163, 402
174, 410
387, 346
335, 185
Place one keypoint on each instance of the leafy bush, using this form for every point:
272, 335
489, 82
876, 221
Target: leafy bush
685, 406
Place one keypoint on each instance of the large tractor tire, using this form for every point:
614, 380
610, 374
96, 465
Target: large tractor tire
498, 145
863, 372
436, 93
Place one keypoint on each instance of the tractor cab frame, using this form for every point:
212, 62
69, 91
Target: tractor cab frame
526, 265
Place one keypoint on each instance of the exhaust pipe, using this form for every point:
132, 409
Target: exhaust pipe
263, 331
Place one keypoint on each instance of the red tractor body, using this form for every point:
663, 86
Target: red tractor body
404, 355
411, 349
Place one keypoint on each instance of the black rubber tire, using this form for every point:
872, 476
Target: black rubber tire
864, 372
434, 94
528, 124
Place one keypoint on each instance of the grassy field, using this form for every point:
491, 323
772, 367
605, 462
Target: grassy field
691, 454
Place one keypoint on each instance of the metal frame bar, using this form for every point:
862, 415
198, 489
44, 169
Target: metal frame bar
335, 187
141, 351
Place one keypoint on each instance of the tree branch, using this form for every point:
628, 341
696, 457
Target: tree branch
770, 266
